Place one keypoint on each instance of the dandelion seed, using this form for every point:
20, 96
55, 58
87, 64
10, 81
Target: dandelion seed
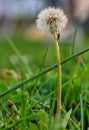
50, 20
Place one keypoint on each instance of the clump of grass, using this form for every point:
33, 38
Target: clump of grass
30, 115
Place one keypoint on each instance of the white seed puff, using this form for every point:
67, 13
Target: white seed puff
51, 19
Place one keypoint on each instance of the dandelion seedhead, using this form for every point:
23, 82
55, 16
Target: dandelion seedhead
50, 20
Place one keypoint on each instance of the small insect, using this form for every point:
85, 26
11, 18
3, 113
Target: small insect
58, 36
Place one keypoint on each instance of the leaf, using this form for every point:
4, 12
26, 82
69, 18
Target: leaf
33, 126
65, 119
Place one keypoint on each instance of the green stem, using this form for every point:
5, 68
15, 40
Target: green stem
58, 107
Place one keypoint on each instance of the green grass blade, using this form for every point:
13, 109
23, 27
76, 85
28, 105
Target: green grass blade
81, 109
12, 45
76, 126
23, 109
41, 65
44, 57
65, 119
74, 56
74, 37
42, 73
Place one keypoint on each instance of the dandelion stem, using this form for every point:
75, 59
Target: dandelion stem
58, 107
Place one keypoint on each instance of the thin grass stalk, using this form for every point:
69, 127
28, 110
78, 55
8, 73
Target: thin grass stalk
74, 38
41, 65
23, 108
81, 106
81, 109
14, 48
52, 104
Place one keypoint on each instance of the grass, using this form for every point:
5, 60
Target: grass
28, 80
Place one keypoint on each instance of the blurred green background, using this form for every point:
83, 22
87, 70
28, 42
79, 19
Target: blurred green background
22, 44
